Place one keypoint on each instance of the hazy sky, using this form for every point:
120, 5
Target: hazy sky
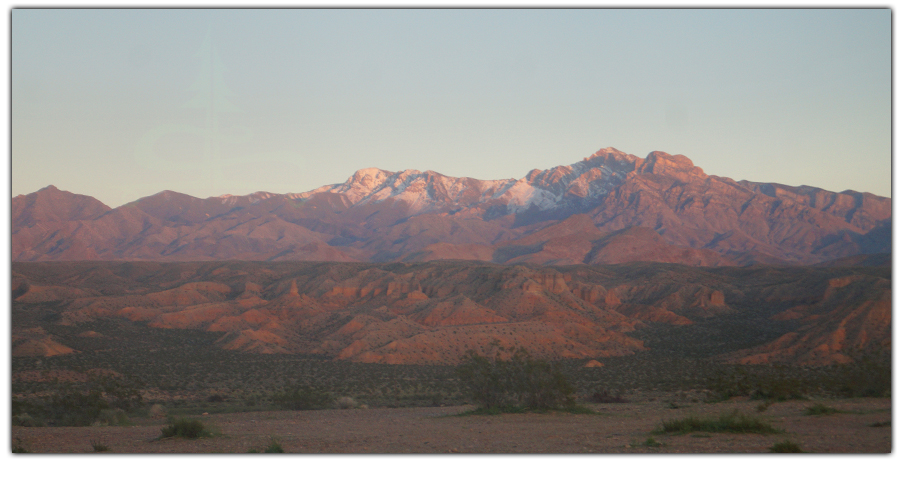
120, 104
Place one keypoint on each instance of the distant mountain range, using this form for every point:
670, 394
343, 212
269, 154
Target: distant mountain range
609, 208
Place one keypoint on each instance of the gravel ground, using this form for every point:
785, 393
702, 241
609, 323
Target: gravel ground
618, 428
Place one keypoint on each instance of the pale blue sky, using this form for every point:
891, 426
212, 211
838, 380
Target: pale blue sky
117, 104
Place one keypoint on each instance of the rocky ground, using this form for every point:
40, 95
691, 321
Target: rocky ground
863, 426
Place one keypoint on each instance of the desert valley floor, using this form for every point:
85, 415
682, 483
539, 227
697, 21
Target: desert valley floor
861, 427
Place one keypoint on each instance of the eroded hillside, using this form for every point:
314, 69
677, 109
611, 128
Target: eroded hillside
434, 313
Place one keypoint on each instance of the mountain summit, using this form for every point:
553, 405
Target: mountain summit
377, 216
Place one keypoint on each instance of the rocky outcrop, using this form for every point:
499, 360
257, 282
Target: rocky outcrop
850, 317
36, 342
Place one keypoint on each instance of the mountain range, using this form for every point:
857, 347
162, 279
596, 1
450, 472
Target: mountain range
609, 208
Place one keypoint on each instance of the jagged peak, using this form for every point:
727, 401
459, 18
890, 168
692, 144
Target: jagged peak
659, 161
165, 194
363, 176
613, 153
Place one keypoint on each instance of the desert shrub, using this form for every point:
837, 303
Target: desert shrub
494, 410
520, 381
17, 447
302, 397
114, 416
26, 420
734, 422
120, 393
774, 388
216, 398
99, 446
157, 411
274, 447
186, 428
768, 383
820, 409
346, 403
868, 376
604, 397
786, 446
74, 408
648, 443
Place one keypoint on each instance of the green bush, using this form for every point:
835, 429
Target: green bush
120, 393
868, 376
786, 446
820, 409
518, 382
17, 447
733, 422
302, 397
115, 416
99, 446
74, 408
26, 420
105, 400
651, 443
768, 384
186, 428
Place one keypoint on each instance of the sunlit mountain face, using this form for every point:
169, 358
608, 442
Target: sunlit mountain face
611, 207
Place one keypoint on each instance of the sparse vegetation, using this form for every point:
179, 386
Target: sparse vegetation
734, 422
75, 408
302, 397
519, 382
772, 384
115, 416
869, 375
26, 420
18, 447
186, 428
346, 403
99, 446
648, 443
786, 446
274, 446
604, 397
820, 409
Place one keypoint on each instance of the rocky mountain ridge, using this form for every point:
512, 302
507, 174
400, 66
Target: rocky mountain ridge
568, 214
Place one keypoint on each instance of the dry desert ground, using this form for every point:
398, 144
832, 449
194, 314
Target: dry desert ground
862, 426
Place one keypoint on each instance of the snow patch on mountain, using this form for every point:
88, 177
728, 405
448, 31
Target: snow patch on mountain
591, 178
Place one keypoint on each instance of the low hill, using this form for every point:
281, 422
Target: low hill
435, 312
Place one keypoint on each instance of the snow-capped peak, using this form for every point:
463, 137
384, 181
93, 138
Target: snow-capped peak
590, 178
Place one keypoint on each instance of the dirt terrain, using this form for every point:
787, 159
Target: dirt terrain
617, 428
